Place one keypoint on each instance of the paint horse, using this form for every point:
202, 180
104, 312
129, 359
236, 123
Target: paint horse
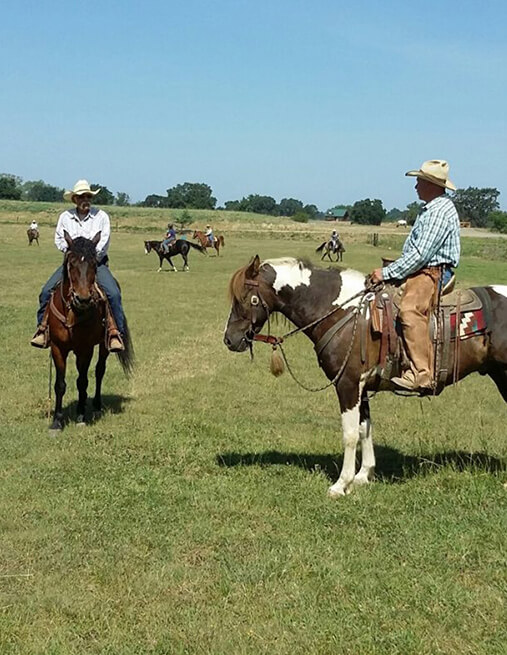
179, 247
33, 235
218, 242
77, 320
307, 296
329, 248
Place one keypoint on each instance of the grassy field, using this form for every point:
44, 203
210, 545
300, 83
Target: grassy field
192, 517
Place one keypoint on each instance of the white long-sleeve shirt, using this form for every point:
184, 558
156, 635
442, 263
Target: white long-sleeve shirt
96, 221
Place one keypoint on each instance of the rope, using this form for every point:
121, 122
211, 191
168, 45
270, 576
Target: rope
340, 370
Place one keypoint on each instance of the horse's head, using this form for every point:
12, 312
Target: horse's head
252, 299
80, 268
147, 247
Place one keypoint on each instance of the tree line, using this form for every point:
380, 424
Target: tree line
479, 206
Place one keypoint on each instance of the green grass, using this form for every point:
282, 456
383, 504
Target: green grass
193, 517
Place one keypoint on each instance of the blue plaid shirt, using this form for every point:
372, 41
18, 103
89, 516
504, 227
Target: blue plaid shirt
433, 240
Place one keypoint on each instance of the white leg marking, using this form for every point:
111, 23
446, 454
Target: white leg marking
365, 473
350, 425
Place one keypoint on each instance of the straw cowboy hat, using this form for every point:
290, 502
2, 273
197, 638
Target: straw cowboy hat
435, 171
80, 187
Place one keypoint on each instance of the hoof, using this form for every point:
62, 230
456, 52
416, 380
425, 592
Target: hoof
80, 421
361, 478
55, 429
338, 490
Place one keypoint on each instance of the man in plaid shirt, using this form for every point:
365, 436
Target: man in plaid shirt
430, 252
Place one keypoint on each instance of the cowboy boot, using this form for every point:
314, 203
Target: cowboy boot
114, 341
41, 337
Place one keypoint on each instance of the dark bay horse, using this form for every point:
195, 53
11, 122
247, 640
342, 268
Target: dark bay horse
328, 248
218, 243
306, 296
77, 317
33, 235
179, 247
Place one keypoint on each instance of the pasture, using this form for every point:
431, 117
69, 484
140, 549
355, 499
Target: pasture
192, 517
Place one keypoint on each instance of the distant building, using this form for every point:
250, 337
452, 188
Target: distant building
337, 214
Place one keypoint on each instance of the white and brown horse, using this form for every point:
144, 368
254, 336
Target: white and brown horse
308, 296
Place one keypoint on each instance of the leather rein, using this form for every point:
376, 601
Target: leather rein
276, 342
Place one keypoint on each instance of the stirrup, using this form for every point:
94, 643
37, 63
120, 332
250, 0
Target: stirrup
115, 343
41, 338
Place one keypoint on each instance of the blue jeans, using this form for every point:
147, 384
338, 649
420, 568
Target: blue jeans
105, 281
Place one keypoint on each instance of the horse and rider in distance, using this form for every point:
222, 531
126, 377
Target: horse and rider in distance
333, 246
393, 330
80, 306
208, 240
171, 246
33, 233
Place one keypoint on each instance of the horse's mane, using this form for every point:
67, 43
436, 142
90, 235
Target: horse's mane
237, 284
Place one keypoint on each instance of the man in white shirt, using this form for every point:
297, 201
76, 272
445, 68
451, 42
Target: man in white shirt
83, 221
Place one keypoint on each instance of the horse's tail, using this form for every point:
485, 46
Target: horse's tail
197, 246
320, 247
127, 357
221, 240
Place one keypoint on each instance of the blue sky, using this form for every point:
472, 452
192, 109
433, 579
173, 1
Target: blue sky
325, 101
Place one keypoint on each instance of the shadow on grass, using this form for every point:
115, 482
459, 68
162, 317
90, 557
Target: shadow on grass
392, 465
111, 404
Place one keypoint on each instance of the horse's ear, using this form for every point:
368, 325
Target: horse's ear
96, 238
68, 238
253, 269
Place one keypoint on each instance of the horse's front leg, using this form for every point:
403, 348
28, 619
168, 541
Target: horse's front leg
83, 364
60, 360
367, 469
100, 369
350, 402
160, 261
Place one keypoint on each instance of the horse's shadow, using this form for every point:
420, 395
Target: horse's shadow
391, 465
111, 404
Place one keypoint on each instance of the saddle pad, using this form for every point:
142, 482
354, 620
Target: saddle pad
468, 300
470, 324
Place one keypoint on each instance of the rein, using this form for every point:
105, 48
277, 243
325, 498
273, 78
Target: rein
276, 342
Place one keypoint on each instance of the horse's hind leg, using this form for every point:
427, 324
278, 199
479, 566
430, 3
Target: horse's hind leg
367, 469
185, 262
60, 361
499, 376
100, 369
171, 264
83, 364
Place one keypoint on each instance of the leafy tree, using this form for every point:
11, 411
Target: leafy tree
498, 221
259, 204
412, 212
122, 199
154, 200
475, 204
104, 197
39, 191
289, 207
394, 214
10, 187
184, 219
367, 212
312, 211
191, 195
232, 205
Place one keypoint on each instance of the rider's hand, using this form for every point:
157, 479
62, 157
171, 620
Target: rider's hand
376, 276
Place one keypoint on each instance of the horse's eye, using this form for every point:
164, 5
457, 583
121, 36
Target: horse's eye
254, 300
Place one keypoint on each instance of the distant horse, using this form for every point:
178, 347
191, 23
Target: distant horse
179, 247
33, 235
77, 318
327, 305
329, 248
205, 242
